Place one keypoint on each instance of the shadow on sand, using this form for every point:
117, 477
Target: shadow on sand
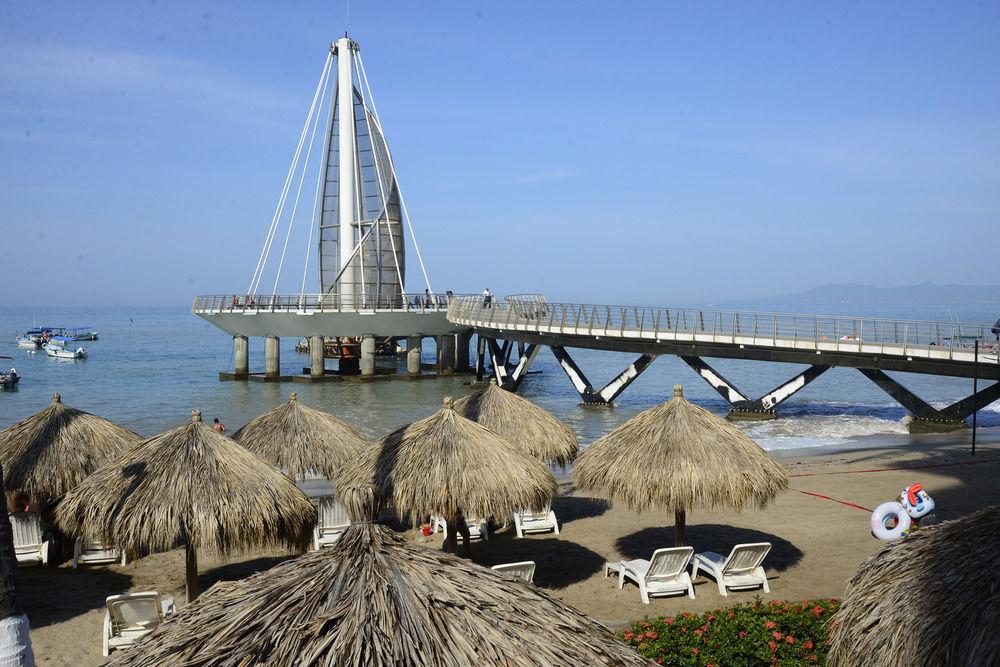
54, 594
239, 570
558, 563
571, 508
710, 537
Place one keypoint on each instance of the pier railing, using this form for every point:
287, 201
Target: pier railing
929, 339
318, 303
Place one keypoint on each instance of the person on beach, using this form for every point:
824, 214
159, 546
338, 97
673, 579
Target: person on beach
218, 426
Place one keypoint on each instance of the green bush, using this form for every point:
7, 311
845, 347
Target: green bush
755, 633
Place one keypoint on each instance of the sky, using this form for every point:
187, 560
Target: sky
642, 152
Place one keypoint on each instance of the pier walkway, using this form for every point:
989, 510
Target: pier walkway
872, 345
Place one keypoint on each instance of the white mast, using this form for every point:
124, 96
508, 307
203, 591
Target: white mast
346, 167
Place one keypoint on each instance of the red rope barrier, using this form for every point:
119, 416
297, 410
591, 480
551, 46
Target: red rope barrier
913, 467
842, 502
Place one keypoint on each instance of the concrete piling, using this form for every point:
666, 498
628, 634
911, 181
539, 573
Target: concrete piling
241, 355
272, 356
368, 355
317, 365
413, 350
462, 343
446, 354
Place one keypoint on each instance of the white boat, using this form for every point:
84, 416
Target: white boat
28, 343
9, 379
62, 353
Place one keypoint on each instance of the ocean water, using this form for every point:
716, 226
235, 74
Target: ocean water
151, 367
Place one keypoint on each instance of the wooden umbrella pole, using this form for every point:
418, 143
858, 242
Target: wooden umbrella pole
679, 519
191, 570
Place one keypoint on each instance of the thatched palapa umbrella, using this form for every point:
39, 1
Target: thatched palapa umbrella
299, 439
677, 457
51, 452
451, 466
932, 599
188, 486
532, 429
376, 600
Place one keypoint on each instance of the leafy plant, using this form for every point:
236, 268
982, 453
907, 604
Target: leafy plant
754, 633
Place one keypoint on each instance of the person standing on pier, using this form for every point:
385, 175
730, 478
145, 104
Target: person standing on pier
487, 298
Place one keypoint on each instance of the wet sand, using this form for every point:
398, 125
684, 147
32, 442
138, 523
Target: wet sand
817, 543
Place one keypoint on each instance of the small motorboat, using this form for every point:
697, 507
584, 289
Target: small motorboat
9, 379
58, 341
62, 353
29, 343
81, 333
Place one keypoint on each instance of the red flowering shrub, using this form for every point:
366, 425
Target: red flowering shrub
781, 633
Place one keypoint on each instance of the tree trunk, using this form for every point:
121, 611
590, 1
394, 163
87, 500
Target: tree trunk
679, 519
15, 643
191, 571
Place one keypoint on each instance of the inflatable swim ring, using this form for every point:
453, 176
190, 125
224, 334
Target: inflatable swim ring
917, 502
884, 515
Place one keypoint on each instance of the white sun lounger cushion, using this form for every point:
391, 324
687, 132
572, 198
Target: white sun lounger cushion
524, 570
741, 570
663, 574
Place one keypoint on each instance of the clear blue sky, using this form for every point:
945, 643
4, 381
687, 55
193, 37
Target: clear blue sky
626, 152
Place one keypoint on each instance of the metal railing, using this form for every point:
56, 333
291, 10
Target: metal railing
318, 303
819, 332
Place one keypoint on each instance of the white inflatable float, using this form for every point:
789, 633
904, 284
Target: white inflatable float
895, 519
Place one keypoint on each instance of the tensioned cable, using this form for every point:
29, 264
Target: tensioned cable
302, 179
399, 191
317, 217
381, 190
265, 251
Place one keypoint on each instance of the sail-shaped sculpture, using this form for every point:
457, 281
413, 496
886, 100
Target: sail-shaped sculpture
361, 245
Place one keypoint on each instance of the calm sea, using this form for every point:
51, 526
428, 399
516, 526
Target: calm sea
151, 367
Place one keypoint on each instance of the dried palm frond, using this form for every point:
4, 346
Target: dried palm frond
51, 452
299, 439
932, 599
447, 463
534, 430
376, 600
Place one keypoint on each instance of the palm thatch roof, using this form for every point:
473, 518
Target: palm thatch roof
932, 599
678, 456
376, 600
188, 486
299, 439
51, 452
534, 430
447, 464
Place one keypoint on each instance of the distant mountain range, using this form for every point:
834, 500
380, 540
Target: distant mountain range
922, 294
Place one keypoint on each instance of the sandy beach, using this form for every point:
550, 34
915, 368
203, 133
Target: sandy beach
817, 544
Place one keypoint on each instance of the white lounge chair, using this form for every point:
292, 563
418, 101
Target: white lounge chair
742, 570
332, 521
663, 574
95, 553
527, 521
28, 544
525, 570
478, 529
129, 617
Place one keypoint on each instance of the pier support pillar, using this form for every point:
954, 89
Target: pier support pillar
413, 345
241, 355
272, 356
925, 417
317, 366
480, 360
462, 343
611, 390
446, 354
368, 355
744, 408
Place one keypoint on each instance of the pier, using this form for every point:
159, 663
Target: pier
871, 345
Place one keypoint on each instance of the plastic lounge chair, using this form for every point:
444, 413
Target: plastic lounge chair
131, 616
525, 570
742, 570
28, 544
527, 521
663, 574
332, 521
95, 553
478, 530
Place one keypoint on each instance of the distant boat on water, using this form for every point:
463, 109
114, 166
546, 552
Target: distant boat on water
9, 379
35, 338
62, 353
80, 333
